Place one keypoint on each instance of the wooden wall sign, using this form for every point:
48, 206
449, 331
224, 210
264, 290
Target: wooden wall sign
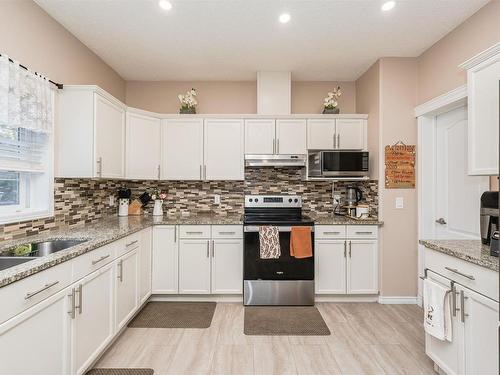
400, 166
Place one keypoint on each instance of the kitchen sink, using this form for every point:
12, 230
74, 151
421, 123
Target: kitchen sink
39, 249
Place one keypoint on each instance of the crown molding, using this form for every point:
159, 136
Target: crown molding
447, 101
481, 57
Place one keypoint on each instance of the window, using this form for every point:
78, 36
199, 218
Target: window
26, 148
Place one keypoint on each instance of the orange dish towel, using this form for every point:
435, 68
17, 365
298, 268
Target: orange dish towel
300, 242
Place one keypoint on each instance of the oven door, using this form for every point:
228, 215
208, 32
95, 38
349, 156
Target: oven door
285, 267
344, 163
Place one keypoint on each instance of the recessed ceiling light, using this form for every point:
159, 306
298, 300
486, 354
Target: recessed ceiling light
388, 5
284, 18
165, 5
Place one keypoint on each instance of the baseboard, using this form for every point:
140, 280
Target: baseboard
398, 300
197, 297
346, 298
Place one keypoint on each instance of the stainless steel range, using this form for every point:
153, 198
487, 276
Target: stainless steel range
285, 280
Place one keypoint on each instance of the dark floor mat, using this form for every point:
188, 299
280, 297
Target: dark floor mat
175, 315
284, 321
120, 371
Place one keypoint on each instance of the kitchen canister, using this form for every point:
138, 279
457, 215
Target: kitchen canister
362, 211
123, 207
158, 208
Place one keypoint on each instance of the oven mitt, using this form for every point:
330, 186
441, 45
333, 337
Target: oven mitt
269, 238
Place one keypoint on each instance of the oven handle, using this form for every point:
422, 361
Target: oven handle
254, 228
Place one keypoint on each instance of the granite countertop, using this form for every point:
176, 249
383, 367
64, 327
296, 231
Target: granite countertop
96, 235
343, 220
472, 251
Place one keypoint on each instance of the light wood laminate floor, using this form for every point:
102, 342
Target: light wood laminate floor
366, 338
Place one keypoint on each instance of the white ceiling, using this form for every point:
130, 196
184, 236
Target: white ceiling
232, 39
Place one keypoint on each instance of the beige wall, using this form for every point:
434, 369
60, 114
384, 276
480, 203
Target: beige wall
368, 101
438, 70
28, 34
232, 96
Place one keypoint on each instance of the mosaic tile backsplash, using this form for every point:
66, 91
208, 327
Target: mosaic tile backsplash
79, 201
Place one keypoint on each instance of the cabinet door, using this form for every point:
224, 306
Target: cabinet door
145, 265
321, 134
227, 266
291, 137
480, 333
143, 143
165, 260
126, 287
351, 134
259, 136
224, 150
109, 123
194, 267
182, 149
93, 326
362, 267
330, 266
37, 341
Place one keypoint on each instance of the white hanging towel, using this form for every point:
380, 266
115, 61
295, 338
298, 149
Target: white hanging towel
437, 311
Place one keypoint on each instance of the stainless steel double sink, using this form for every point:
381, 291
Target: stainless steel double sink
37, 249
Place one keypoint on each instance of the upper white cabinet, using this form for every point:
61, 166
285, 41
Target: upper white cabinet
341, 133
224, 143
291, 137
260, 136
143, 147
90, 134
483, 75
183, 149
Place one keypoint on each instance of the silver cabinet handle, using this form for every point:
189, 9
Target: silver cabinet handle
43, 288
99, 163
338, 140
80, 298
366, 232
350, 249
204, 171
94, 262
71, 296
227, 233
120, 270
131, 243
345, 249
159, 171
190, 232
454, 299
462, 306
331, 232
274, 146
201, 173
278, 146
470, 277
441, 221
334, 141
213, 249
208, 249
175, 234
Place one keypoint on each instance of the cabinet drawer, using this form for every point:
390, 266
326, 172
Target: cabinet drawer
227, 231
362, 231
329, 231
194, 231
27, 292
485, 281
93, 260
128, 243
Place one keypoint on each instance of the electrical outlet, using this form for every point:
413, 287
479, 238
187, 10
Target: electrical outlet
399, 203
336, 198
112, 201
216, 199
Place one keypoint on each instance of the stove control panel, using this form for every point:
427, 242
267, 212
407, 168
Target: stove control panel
273, 201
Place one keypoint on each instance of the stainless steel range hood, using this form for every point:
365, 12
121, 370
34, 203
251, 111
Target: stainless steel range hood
279, 160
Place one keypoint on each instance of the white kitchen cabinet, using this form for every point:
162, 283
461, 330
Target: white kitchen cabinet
145, 262
321, 134
260, 136
224, 149
126, 287
143, 147
194, 266
291, 137
483, 74
182, 145
341, 133
90, 134
37, 340
227, 266
330, 266
93, 323
362, 267
165, 260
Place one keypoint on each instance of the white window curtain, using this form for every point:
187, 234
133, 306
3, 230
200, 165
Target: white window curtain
26, 118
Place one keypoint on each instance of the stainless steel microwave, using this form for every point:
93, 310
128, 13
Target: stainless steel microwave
338, 163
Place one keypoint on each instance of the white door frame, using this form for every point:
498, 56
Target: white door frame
426, 120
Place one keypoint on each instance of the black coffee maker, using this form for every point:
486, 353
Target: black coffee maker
489, 217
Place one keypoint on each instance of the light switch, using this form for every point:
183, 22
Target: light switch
216, 199
400, 202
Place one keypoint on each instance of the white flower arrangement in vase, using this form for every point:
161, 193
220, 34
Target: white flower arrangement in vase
331, 102
158, 196
188, 102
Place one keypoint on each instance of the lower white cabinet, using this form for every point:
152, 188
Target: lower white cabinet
36, 341
165, 275
227, 266
126, 287
330, 267
145, 255
194, 266
93, 317
362, 267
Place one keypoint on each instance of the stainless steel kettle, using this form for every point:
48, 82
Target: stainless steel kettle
353, 195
